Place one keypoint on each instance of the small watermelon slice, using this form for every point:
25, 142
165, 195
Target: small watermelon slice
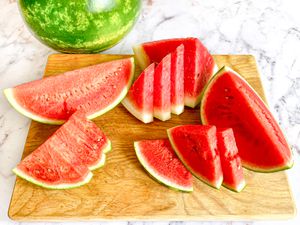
139, 100
229, 101
160, 160
233, 175
199, 65
196, 146
95, 90
162, 89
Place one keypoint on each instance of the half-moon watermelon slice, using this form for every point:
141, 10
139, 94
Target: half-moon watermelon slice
229, 101
94, 90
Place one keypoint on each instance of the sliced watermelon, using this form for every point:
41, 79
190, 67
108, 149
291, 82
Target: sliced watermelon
94, 90
162, 89
229, 101
199, 65
196, 146
160, 160
177, 80
233, 175
139, 100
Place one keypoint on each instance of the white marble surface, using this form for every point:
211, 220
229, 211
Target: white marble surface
268, 29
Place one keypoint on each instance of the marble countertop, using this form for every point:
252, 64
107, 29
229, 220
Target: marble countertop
269, 29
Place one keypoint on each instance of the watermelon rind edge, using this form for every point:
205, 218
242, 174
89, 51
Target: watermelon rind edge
59, 186
237, 189
140, 56
155, 175
108, 147
218, 183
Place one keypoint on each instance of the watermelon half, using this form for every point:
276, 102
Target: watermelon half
160, 161
94, 90
229, 101
196, 146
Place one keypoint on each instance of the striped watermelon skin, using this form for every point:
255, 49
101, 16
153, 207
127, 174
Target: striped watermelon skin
81, 26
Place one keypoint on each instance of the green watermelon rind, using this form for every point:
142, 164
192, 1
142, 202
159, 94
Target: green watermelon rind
237, 189
218, 183
203, 119
11, 99
30, 179
159, 178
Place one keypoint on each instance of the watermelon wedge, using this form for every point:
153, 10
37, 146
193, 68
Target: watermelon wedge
229, 101
196, 146
162, 89
139, 100
160, 161
94, 90
199, 65
233, 175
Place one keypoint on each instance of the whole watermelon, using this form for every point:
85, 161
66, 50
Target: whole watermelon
80, 26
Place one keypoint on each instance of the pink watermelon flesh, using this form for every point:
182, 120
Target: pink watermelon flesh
177, 80
160, 160
199, 65
229, 101
233, 175
196, 146
93, 90
162, 89
139, 100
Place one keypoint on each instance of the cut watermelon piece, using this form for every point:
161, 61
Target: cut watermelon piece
199, 65
160, 160
162, 90
177, 80
196, 146
139, 100
93, 90
233, 175
229, 101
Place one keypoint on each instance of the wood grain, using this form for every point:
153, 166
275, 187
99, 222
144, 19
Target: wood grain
122, 190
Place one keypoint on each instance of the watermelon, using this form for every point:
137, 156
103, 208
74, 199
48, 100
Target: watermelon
94, 90
199, 65
139, 100
229, 101
81, 26
159, 159
233, 175
162, 89
196, 146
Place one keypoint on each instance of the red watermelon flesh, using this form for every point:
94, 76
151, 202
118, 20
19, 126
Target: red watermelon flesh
229, 101
160, 160
199, 65
94, 90
196, 146
162, 89
233, 175
177, 80
139, 100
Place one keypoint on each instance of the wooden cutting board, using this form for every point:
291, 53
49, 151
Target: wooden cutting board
122, 190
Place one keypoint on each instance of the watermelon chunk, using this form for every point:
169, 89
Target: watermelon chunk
233, 175
139, 100
94, 90
160, 160
196, 146
199, 65
229, 101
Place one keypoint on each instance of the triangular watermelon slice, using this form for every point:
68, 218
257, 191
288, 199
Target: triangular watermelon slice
199, 65
139, 100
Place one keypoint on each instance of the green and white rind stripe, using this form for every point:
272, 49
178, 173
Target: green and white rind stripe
107, 147
99, 164
239, 188
144, 117
155, 175
58, 186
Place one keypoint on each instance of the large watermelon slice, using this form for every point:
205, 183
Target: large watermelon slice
196, 146
160, 160
233, 175
139, 100
66, 158
229, 101
199, 65
94, 90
